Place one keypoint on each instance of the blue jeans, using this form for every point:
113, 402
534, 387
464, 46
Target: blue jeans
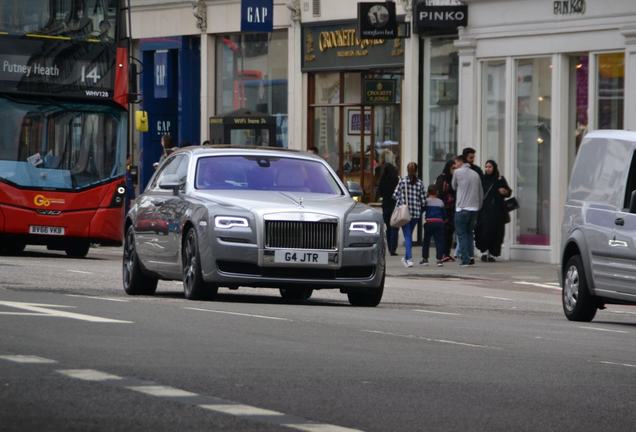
407, 230
391, 232
436, 231
465, 222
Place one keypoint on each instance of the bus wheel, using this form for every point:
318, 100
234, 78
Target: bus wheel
78, 250
13, 247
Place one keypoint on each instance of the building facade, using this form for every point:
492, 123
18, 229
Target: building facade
521, 81
535, 77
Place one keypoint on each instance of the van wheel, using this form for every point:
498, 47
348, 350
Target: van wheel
296, 294
578, 303
134, 279
194, 287
369, 298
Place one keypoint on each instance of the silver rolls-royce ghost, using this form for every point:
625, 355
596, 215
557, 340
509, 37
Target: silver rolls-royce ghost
252, 217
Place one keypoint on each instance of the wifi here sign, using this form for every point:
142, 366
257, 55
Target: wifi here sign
257, 16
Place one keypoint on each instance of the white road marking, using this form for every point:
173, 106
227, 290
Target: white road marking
618, 364
549, 285
240, 410
162, 391
88, 375
97, 298
442, 341
319, 427
498, 298
603, 329
27, 359
623, 312
239, 314
79, 271
436, 312
33, 307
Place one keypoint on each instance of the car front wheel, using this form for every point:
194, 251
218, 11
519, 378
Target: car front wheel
135, 281
370, 297
194, 287
578, 303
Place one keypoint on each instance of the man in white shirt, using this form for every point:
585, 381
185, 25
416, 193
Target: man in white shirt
469, 197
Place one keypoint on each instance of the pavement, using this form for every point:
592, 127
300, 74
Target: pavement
501, 270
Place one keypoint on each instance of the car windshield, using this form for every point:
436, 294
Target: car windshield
46, 144
265, 173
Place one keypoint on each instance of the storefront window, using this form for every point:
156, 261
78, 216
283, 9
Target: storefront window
611, 90
369, 134
252, 75
493, 111
442, 105
533, 126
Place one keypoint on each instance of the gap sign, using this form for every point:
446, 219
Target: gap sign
257, 16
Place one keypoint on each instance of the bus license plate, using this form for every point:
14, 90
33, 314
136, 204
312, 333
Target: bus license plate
46, 230
300, 257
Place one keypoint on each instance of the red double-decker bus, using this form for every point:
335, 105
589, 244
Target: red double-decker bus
63, 123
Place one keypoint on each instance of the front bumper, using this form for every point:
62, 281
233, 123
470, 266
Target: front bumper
243, 264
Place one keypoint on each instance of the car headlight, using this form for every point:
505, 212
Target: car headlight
226, 222
365, 227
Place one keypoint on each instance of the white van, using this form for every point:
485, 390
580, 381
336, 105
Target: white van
598, 260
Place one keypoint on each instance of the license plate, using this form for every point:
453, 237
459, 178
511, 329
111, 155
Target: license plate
46, 230
300, 257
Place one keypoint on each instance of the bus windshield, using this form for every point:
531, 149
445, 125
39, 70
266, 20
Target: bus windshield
58, 145
72, 18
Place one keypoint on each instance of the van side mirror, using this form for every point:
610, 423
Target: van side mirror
632, 202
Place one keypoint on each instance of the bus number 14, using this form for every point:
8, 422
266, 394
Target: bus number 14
92, 74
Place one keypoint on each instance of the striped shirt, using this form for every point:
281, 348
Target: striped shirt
412, 194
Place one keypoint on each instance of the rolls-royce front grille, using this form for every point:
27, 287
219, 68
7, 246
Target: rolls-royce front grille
301, 235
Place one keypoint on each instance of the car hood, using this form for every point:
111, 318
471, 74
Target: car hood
266, 202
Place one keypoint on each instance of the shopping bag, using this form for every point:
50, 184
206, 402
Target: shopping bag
511, 204
400, 216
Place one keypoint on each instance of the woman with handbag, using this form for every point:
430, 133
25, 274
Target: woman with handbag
410, 192
493, 216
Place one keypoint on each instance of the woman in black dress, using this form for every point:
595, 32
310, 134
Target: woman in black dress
493, 216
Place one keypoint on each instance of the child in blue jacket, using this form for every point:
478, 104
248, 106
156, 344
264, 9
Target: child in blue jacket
434, 224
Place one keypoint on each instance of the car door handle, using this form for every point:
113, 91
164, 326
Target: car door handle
619, 221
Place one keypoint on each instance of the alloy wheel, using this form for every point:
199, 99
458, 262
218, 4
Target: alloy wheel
571, 288
190, 263
129, 257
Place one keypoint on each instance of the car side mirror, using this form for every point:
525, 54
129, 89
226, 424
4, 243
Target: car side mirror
632, 202
171, 182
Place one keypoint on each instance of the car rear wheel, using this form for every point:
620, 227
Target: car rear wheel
297, 294
578, 303
194, 287
78, 250
370, 297
135, 281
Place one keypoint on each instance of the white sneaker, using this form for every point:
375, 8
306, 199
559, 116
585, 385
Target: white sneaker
409, 263
404, 262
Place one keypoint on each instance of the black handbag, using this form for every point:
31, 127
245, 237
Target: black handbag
511, 204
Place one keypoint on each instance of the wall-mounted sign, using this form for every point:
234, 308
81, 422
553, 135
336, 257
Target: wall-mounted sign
161, 74
378, 92
257, 16
439, 19
569, 7
338, 47
377, 20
